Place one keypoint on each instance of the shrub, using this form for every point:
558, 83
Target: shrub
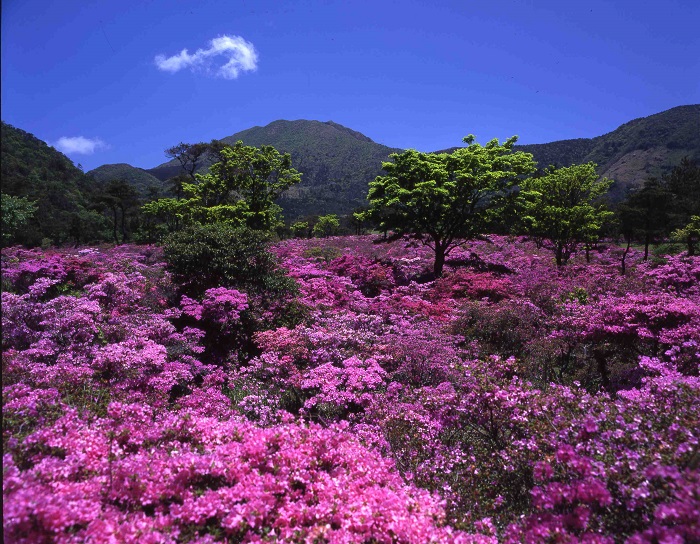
220, 255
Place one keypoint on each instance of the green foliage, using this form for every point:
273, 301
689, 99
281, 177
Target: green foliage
684, 184
690, 234
446, 199
204, 256
144, 183
559, 208
647, 146
60, 191
644, 215
327, 225
240, 189
119, 200
16, 213
323, 253
336, 164
299, 228
189, 156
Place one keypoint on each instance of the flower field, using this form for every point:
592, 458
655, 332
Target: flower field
509, 401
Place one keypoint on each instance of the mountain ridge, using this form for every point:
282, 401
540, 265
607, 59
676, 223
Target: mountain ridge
338, 162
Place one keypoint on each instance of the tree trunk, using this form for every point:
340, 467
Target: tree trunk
439, 260
624, 256
647, 241
114, 225
602, 363
123, 229
559, 256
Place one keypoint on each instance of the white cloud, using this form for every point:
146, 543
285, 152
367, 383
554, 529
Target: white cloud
79, 145
240, 56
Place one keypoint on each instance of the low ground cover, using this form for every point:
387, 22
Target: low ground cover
511, 400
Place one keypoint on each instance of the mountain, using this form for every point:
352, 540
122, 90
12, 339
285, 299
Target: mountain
635, 151
642, 148
30, 168
145, 183
337, 163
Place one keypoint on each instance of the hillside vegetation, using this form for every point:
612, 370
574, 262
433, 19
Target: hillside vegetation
32, 169
336, 164
642, 148
145, 184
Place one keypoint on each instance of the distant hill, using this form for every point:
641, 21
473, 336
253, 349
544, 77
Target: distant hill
145, 183
635, 151
337, 163
31, 168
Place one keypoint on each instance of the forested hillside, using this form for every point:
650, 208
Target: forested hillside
645, 147
336, 164
60, 190
145, 184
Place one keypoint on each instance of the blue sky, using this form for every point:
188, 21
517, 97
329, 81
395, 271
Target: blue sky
406, 74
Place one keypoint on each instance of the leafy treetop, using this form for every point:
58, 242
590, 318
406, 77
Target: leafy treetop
240, 189
445, 199
560, 209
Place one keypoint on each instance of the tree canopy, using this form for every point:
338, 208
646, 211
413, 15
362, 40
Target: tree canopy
560, 208
445, 199
240, 189
327, 225
645, 213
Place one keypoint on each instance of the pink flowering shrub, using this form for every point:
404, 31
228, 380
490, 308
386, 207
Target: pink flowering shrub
370, 277
510, 401
467, 284
137, 475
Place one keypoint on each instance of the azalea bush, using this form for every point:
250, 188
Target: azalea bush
154, 396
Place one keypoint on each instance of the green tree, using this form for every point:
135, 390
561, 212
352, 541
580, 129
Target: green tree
120, 199
240, 189
299, 228
327, 225
190, 156
684, 184
689, 234
204, 256
243, 186
16, 213
172, 212
644, 214
446, 199
560, 208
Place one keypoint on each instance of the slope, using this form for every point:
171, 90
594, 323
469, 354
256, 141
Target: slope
336, 162
146, 184
30, 168
644, 147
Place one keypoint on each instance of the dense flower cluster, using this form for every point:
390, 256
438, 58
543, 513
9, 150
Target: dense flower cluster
511, 400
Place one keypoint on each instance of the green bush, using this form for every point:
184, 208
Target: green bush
219, 255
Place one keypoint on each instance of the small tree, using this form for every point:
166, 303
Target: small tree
240, 189
16, 213
190, 156
645, 213
243, 186
446, 199
684, 184
299, 228
690, 234
327, 225
559, 208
